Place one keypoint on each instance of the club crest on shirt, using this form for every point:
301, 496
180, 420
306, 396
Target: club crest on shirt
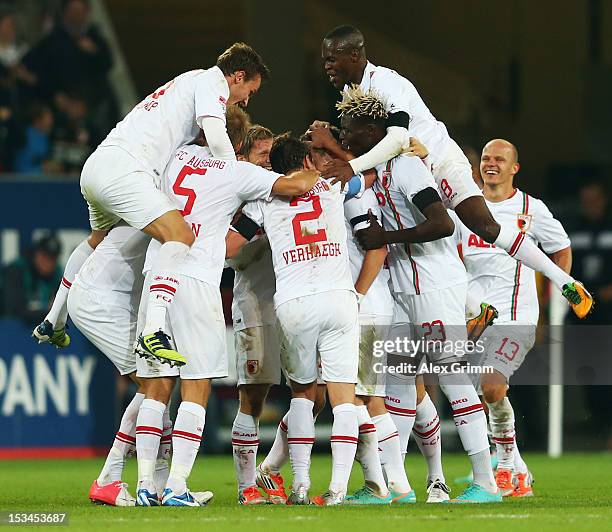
386, 179
523, 221
252, 366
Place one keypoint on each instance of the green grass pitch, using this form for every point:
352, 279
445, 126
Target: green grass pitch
572, 493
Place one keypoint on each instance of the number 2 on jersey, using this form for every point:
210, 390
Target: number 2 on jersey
185, 191
302, 238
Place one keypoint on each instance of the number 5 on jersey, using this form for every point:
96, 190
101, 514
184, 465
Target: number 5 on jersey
180, 190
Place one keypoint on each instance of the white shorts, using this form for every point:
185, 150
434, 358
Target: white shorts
117, 187
326, 323
454, 177
197, 328
257, 355
108, 321
371, 382
505, 347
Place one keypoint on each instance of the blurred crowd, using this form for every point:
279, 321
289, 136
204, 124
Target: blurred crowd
56, 102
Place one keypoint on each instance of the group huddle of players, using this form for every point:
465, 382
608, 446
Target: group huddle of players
339, 245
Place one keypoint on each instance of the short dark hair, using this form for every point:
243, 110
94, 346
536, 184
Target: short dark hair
288, 154
255, 133
346, 34
240, 56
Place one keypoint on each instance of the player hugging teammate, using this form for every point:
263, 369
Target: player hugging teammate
315, 224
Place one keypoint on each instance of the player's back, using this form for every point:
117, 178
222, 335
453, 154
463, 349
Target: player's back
166, 119
308, 240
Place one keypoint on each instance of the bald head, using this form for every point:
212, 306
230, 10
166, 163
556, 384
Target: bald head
346, 38
499, 164
502, 144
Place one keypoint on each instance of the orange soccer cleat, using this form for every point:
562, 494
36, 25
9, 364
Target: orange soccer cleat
579, 298
523, 485
250, 496
503, 479
477, 325
273, 486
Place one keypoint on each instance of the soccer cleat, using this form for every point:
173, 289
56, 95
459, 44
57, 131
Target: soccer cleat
437, 492
113, 494
170, 498
403, 498
45, 333
477, 325
299, 497
366, 495
273, 485
503, 479
157, 346
523, 487
146, 498
579, 298
250, 496
475, 494
329, 498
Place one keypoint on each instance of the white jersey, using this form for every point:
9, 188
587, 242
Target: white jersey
208, 192
399, 94
170, 117
378, 301
415, 268
505, 283
115, 266
254, 285
308, 240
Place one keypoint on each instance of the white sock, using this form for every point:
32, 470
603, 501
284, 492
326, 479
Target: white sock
124, 443
300, 437
367, 451
401, 404
390, 453
519, 464
525, 251
344, 436
164, 453
148, 433
427, 435
483, 473
164, 284
501, 421
59, 311
186, 438
279, 453
245, 440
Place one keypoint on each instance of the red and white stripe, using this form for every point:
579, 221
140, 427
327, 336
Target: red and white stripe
283, 426
337, 438
392, 435
467, 410
397, 411
164, 288
245, 443
516, 244
307, 441
187, 435
66, 283
145, 429
427, 434
125, 438
503, 441
367, 428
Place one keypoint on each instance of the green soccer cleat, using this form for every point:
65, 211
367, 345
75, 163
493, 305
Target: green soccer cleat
403, 498
366, 495
45, 333
475, 494
579, 299
157, 346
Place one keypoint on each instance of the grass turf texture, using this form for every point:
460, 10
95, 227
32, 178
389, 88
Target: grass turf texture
571, 493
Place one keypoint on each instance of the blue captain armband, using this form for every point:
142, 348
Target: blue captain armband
356, 186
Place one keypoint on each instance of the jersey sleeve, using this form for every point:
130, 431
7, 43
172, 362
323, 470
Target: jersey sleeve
254, 211
254, 182
547, 230
356, 210
393, 90
411, 176
211, 94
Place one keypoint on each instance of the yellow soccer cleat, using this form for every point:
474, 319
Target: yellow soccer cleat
45, 333
477, 325
157, 346
579, 298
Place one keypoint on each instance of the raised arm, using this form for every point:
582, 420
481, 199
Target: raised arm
295, 184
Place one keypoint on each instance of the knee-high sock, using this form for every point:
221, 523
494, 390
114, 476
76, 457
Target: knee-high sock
59, 313
186, 438
501, 421
519, 464
245, 441
367, 451
300, 437
124, 443
164, 453
525, 251
390, 453
428, 437
148, 433
401, 404
165, 282
279, 453
344, 445
471, 424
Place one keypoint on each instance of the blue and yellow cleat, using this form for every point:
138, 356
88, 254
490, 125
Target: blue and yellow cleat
45, 333
403, 498
170, 498
367, 495
146, 498
157, 346
475, 494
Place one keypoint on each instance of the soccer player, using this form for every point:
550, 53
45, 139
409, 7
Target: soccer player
510, 286
428, 281
208, 192
316, 308
121, 179
344, 57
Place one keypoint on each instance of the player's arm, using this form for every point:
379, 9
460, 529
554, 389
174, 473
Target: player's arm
563, 259
551, 235
373, 262
217, 138
242, 231
296, 183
